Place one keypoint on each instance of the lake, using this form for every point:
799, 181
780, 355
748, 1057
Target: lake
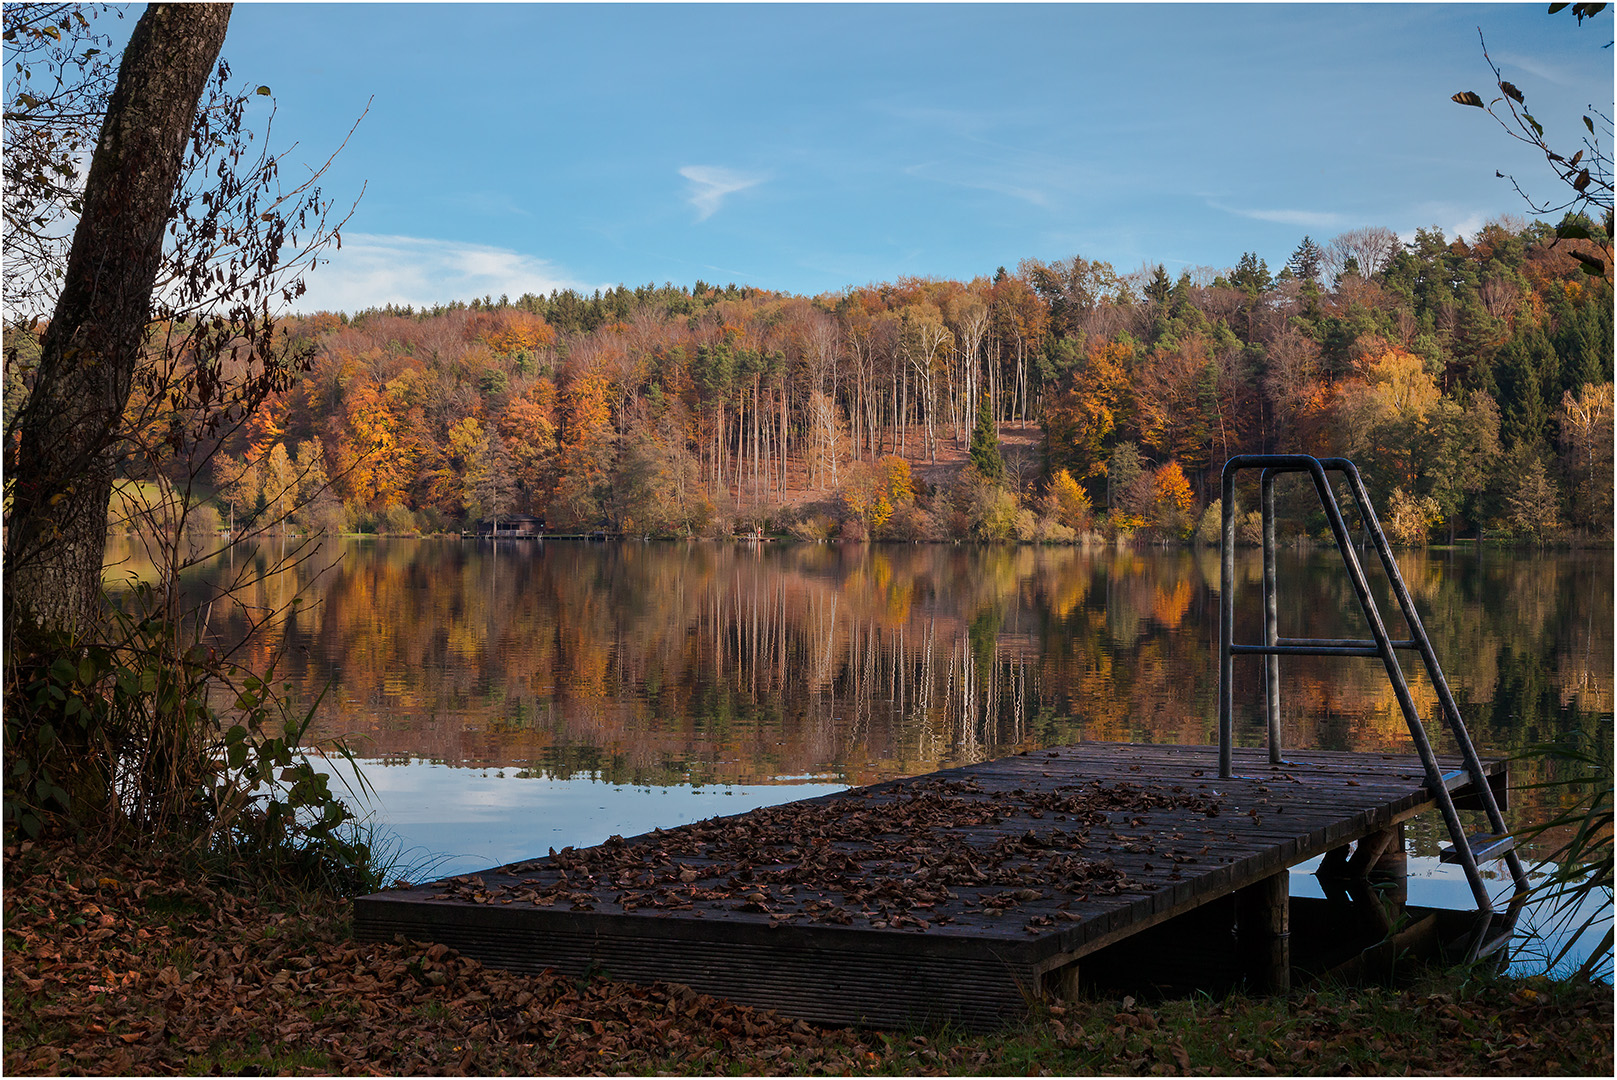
508, 698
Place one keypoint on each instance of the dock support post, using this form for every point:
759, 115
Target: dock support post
1389, 873
1263, 927
1061, 983
1375, 877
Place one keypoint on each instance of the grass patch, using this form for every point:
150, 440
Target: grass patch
275, 1060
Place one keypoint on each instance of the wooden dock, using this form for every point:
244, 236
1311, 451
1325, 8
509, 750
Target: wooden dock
955, 896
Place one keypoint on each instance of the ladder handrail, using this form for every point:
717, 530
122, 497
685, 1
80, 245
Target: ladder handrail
1271, 465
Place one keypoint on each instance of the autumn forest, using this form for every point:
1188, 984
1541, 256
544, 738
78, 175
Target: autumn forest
1471, 379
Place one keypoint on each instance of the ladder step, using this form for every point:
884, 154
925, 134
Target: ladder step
1494, 944
1496, 937
1482, 845
1497, 941
1468, 794
1456, 779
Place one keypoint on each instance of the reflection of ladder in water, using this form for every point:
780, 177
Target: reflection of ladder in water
1467, 851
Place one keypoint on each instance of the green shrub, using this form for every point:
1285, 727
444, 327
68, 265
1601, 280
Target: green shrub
815, 527
1051, 531
995, 515
119, 738
398, 521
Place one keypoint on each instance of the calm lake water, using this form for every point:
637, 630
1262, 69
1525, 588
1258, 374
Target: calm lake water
508, 699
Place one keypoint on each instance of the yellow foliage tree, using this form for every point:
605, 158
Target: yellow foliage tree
1068, 503
874, 491
1586, 439
1079, 420
1381, 412
1411, 517
1399, 384
900, 486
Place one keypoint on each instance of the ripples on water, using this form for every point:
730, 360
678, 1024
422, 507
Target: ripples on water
540, 694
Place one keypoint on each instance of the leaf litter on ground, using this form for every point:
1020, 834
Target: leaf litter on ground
123, 964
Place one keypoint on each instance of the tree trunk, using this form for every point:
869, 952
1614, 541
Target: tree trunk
69, 430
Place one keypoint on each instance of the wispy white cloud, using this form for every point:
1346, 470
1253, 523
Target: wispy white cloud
492, 203
974, 124
1307, 219
711, 184
1536, 68
371, 271
1455, 224
979, 179
1458, 220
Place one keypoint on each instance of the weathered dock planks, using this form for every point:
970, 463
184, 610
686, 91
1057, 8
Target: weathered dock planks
954, 896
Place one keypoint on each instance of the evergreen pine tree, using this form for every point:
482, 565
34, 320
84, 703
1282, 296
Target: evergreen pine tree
1159, 287
1306, 262
985, 455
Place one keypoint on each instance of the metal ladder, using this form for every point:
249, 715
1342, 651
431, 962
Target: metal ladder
1467, 851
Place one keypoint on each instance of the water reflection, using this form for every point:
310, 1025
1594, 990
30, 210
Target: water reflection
701, 663
442, 820
530, 695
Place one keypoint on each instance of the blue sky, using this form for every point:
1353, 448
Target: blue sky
525, 147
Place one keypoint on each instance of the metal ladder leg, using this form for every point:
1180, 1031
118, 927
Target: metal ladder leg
1271, 619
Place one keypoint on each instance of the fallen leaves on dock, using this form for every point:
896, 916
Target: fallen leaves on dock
908, 855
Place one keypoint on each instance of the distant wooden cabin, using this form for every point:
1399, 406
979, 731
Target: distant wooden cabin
512, 525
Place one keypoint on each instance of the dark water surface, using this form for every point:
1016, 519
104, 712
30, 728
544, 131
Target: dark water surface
541, 694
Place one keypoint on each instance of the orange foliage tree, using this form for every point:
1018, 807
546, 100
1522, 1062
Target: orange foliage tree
1080, 420
529, 428
585, 450
1174, 499
1173, 387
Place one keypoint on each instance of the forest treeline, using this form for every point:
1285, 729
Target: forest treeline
1471, 379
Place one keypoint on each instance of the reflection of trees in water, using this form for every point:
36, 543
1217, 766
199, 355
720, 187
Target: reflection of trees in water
673, 662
